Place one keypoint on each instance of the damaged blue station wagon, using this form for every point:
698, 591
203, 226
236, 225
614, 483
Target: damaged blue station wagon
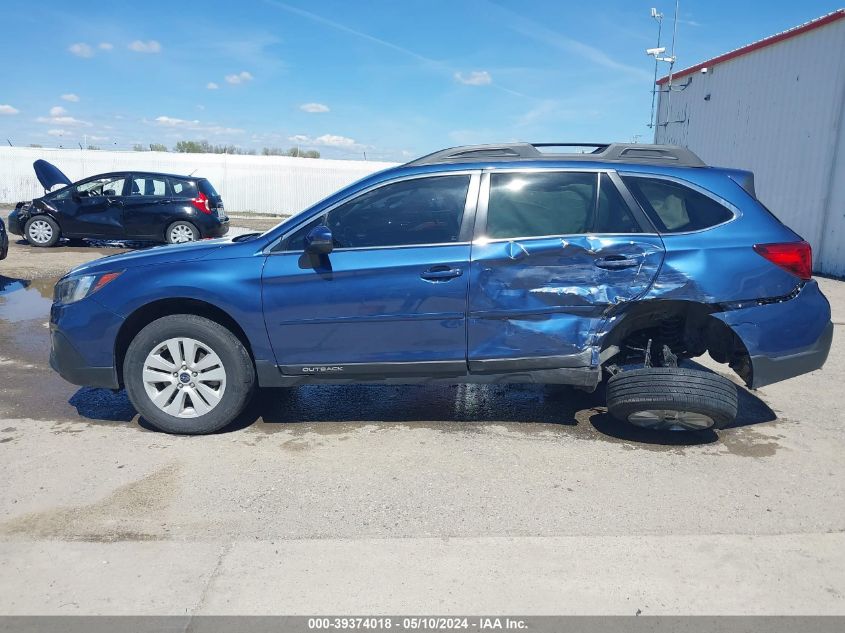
501, 263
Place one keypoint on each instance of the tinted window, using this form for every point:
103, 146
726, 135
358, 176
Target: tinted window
148, 186
553, 203
417, 211
184, 188
613, 215
674, 208
108, 186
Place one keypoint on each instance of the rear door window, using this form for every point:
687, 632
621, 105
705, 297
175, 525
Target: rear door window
675, 208
184, 188
613, 214
148, 186
542, 203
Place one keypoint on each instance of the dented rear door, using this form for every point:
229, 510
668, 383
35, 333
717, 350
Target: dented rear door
554, 250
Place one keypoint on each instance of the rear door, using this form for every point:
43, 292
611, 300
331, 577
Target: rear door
146, 207
554, 250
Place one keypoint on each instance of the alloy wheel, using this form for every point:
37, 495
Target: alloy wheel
184, 377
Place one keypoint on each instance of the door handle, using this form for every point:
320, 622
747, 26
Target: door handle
617, 262
441, 273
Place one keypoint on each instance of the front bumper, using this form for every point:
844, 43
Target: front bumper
72, 366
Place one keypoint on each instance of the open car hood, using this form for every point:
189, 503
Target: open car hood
49, 175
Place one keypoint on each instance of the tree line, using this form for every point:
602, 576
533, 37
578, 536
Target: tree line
204, 147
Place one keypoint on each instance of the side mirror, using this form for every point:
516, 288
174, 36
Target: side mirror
75, 196
319, 240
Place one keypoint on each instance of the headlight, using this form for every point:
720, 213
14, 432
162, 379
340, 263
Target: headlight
76, 288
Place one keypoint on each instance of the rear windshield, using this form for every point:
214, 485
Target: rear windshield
207, 188
184, 188
674, 208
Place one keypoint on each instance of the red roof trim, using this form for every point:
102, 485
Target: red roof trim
768, 41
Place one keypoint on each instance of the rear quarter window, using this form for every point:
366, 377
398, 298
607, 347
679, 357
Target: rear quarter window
183, 188
675, 208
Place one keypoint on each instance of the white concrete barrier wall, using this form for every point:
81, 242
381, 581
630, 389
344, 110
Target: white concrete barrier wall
265, 184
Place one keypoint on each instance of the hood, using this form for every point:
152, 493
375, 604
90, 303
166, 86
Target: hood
170, 254
49, 175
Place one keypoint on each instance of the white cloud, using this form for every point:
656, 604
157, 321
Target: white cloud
194, 125
57, 132
314, 107
326, 140
239, 78
474, 78
211, 85
5, 108
57, 111
63, 120
70, 97
105, 46
139, 46
81, 49
174, 122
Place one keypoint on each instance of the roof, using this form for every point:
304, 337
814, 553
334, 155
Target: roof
754, 46
593, 152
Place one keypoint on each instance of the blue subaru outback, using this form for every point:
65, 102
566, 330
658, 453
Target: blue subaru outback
505, 263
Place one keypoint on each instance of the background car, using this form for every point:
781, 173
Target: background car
4, 240
122, 205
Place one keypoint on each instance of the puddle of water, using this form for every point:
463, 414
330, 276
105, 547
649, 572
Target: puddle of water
22, 300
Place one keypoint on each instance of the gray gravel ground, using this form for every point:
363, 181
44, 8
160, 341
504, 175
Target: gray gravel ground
423, 499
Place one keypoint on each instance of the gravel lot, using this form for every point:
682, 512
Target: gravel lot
464, 499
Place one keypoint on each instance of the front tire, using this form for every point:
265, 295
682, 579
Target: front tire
672, 399
180, 232
187, 374
42, 231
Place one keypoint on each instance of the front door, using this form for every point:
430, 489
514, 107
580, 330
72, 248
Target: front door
95, 208
554, 250
390, 299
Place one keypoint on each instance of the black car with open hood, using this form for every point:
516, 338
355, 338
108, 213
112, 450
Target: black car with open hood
123, 205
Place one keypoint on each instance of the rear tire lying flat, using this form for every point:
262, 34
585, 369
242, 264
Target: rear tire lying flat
670, 398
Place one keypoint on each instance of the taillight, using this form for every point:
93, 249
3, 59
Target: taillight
201, 203
794, 257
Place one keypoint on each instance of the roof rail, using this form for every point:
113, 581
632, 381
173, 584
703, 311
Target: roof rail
615, 152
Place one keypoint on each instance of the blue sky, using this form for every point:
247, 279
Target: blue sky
392, 79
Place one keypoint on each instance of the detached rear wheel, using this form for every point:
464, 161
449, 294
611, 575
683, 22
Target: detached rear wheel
42, 230
187, 374
672, 399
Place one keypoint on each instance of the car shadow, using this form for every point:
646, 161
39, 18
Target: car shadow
450, 407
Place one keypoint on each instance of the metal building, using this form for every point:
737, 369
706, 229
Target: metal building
776, 107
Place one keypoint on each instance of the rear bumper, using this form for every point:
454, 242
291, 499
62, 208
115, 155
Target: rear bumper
784, 339
218, 229
72, 366
768, 369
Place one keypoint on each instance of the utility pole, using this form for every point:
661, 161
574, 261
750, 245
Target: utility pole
659, 17
656, 52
